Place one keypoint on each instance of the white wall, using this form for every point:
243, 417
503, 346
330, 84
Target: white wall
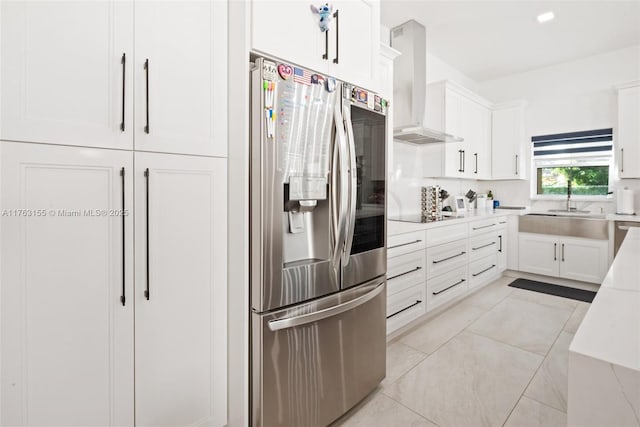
406, 171
572, 96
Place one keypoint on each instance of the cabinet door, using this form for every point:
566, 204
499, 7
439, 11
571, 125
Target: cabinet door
63, 78
181, 83
628, 138
67, 336
290, 31
456, 156
507, 140
354, 46
503, 244
584, 259
482, 149
538, 254
180, 290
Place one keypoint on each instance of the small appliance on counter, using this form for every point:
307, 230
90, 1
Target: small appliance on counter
481, 202
624, 202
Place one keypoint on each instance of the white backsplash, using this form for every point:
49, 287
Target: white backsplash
405, 183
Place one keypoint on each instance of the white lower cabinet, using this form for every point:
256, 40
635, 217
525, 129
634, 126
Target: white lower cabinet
180, 319
69, 285
67, 337
406, 299
427, 269
567, 257
446, 287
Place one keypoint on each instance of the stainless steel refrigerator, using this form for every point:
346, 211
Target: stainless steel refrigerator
317, 249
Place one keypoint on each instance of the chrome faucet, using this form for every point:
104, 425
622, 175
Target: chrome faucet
569, 208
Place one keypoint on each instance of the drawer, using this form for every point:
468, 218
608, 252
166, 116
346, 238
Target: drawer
483, 226
483, 271
502, 222
444, 258
446, 287
405, 306
483, 245
399, 244
405, 271
446, 234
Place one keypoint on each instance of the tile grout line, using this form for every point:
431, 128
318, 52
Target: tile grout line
405, 406
533, 376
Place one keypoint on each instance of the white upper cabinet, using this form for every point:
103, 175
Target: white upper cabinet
290, 31
69, 75
180, 77
180, 292
67, 72
458, 112
627, 139
354, 42
66, 343
508, 141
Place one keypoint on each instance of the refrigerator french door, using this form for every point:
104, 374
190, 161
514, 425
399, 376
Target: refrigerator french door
317, 245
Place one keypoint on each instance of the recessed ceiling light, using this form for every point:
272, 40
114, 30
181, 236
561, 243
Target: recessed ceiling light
545, 17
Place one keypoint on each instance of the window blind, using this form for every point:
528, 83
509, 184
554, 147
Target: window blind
590, 143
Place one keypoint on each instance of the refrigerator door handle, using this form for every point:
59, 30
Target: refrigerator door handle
290, 322
353, 184
339, 200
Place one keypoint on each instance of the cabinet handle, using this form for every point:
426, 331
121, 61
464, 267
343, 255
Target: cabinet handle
404, 309
464, 160
484, 226
516, 164
325, 56
555, 247
476, 156
500, 248
449, 287
122, 295
622, 160
483, 246
146, 176
448, 258
146, 73
123, 61
406, 272
404, 244
460, 161
563, 252
337, 16
483, 271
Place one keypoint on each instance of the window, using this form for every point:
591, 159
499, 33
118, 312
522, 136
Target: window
584, 158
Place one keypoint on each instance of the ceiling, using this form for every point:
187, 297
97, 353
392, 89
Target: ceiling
490, 39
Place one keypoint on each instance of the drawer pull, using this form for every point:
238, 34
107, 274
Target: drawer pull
404, 309
449, 287
437, 261
503, 222
406, 272
404, 244
483, 271
483, 246
484, 226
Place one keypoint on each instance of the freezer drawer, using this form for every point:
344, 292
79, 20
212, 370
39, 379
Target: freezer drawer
313, 362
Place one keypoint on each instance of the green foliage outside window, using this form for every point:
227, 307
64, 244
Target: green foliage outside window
585, 180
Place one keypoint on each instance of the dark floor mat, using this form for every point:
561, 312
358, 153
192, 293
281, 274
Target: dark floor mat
557, 290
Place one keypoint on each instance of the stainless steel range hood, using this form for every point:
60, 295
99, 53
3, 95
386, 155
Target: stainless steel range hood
409, 86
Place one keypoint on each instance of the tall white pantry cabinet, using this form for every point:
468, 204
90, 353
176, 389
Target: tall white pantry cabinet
113, 193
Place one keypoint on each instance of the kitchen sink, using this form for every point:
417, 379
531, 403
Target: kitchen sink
567, 224
568, 211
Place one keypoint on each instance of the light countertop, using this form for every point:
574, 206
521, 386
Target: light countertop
610, 331
399, 227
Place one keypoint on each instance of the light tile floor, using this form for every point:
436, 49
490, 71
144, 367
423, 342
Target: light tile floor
498, 358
